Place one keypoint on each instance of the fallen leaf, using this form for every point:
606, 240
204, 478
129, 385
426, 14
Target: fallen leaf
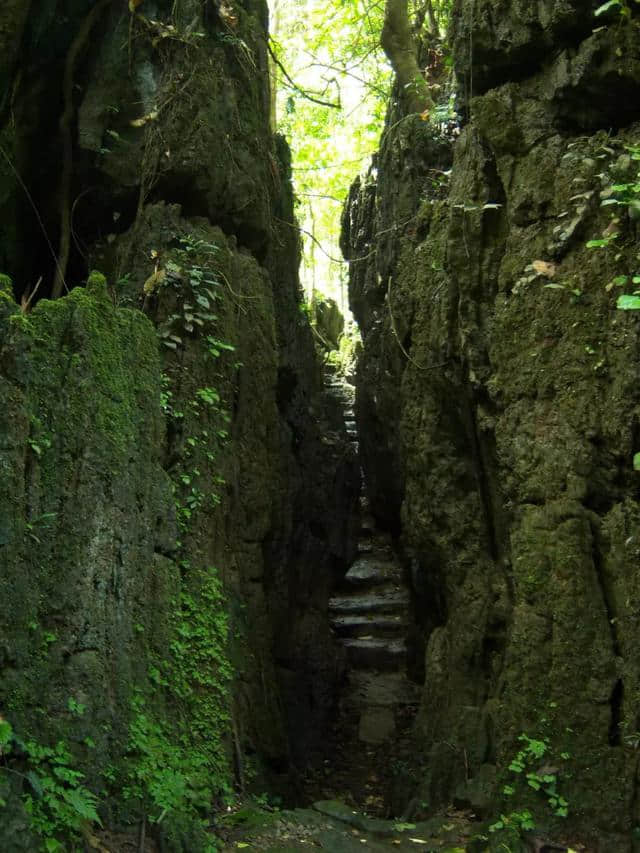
154, 281
140, 122
545, 268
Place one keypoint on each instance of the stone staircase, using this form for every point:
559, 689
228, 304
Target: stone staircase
370, 616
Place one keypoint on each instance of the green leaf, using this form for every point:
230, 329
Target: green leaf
83, 802
611, 4
628, 302
636, 462
6, 733
34, 781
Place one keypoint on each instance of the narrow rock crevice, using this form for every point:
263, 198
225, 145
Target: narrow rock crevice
370, 615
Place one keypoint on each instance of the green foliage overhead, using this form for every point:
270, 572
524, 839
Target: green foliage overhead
331, 52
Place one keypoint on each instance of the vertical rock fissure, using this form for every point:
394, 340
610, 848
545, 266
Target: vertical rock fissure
482, 475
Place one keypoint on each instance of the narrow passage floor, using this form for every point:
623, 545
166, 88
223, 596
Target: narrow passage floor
370, 615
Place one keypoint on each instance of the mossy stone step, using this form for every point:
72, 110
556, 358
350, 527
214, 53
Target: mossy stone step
394, 600
379, 654
371, 569
368, 688
363, 626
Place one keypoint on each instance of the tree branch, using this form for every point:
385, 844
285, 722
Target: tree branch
366, 83
295, 86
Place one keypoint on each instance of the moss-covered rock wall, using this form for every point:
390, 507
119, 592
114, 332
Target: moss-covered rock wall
498, 401
171, 523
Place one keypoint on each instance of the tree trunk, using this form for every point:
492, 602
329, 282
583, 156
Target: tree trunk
398, 43
274, 27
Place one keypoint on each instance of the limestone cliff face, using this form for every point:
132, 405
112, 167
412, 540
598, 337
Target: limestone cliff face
141, 452
498, 400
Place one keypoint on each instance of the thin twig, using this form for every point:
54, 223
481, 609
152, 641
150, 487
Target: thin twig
397, 337
27, 298
321, 195
371, 86
238, 296
319, 337
297, 88
314, 238
35, 210
330, 166
142, 835
76, 239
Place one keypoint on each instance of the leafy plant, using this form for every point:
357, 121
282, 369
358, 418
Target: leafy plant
514, 822
60, 807
542, 779
527, 767
629, 302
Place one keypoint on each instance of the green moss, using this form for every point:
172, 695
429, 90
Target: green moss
83, 495
97, 285
176, 762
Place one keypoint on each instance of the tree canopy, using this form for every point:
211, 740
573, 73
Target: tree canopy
333, 82
333, 69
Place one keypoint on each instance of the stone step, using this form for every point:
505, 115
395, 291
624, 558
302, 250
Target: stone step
378, 654
373, 568
392, 600
368, 522
380, 546
389, 689
356, 625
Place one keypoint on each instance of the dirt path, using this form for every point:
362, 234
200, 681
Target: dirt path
334, 827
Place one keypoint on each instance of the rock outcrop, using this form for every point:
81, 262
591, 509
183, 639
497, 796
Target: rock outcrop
498, 407
167, 507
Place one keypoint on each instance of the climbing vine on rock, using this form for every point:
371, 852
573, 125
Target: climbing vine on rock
176, 765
